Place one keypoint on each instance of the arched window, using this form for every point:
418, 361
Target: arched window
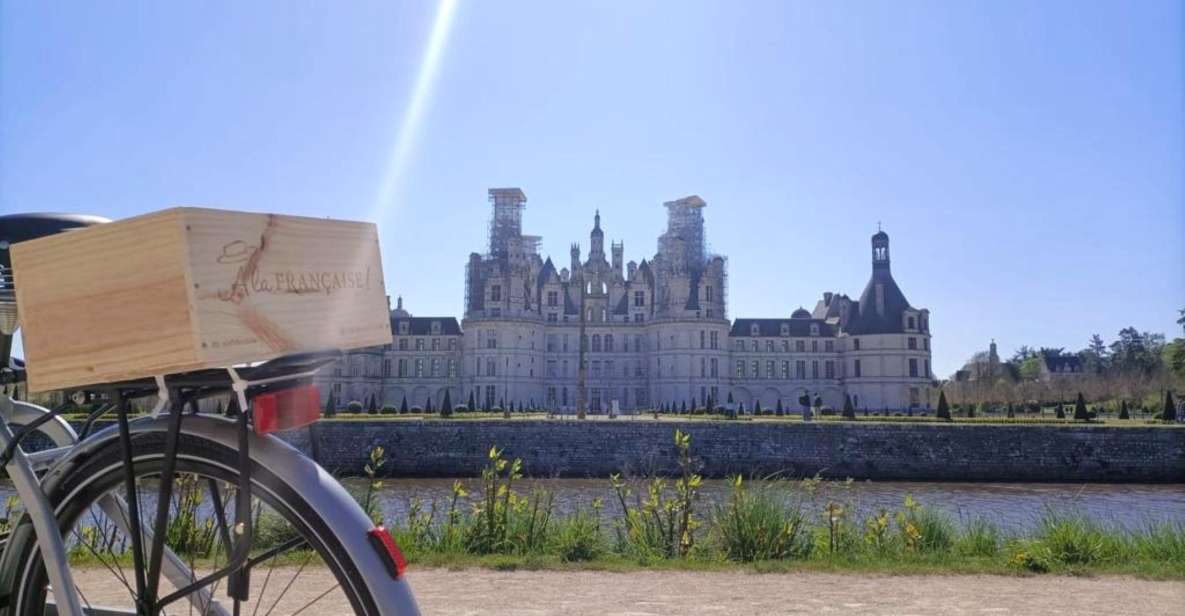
608, 343
596, 342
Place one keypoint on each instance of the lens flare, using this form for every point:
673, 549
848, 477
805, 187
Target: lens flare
412, 116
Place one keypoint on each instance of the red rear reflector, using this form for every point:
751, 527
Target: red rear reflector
392, 556
286, 409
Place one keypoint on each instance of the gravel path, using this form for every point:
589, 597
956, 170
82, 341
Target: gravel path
479, 592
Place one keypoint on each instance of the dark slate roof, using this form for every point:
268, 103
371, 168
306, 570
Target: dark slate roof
773, 327
866, 320
623, 306
1063, 363
547, 272
422, 326
801, 313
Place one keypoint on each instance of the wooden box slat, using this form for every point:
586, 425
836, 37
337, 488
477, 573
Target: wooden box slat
191, 288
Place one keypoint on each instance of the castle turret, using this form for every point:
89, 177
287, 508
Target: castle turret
618, 249
575, 252
596, 251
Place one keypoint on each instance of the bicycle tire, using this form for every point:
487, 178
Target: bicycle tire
76, 483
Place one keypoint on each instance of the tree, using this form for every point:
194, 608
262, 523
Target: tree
403, 405
330, 405
741, 408
428, 406
683, 408
1080, 412
1061, 411
446, 408
730, 401
372, 408
943, 411
780, 410
1170, 409
472, 406
1123, 411
1030, 368
849, 411
1011, 411
757, 408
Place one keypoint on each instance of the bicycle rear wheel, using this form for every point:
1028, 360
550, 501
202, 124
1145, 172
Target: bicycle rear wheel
299, 562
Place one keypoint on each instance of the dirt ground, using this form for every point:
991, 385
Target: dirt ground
480, 592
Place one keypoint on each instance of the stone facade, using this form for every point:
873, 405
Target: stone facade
652, 332
921, 452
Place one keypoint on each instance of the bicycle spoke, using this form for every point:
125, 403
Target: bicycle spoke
307, 558
318, 598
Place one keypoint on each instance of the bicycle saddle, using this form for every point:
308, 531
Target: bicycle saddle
20, 227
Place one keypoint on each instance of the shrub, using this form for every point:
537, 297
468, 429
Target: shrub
1061, 412
758, 526
354, 406
389, 409
1123, 411
1080, 412
1170, 409
330, 405
943, 407
578, 536
923, 529
979, 538
849, 411
1072, 540
417, 409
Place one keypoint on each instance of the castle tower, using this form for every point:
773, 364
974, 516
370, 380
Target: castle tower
596, 251
880, 251
506, 226
575, 253
618, 249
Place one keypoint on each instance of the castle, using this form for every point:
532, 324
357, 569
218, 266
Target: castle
651, 333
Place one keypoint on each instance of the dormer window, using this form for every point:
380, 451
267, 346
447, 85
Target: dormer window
404, 328
496, 293
754, 330
814, 329
910, 322
785, 329
436, 328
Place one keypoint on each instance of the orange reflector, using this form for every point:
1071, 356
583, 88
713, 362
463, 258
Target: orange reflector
392, 556
286, 409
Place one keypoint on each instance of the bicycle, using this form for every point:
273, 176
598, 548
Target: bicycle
231, 501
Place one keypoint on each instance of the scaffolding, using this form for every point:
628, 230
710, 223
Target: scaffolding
683, 241
506, 223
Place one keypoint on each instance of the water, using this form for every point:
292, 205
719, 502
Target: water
1014, 507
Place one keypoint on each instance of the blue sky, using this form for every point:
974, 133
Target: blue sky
1026, 158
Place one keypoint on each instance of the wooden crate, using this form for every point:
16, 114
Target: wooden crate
191, 288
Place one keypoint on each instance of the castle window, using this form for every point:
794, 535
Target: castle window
856, 368
419, 368
815, 369
856, 344
639, 317
829, 369
452, 368
452, 344
608, 343
496, 293
926, 365
639, 298
753, 346
785, 329
419, 344
910, 320
703, 368
926, 343
596, 342
708, 293
495, 312
814, 346
769, 346
740, 368
769, 369
436, 328
814, 329
913, 367
386, 367
714, 340
402, 368
553, 298
404, 328
436, 344
491, 367
829, 345
754, 330
551, 317
435, 367
785, 346
800, 369
785, 370
800, 346
713, 366
913, 343
756, 369
403, 344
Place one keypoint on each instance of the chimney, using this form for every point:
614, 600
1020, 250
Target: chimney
827, 298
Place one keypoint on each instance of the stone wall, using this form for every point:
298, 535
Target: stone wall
885, 451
